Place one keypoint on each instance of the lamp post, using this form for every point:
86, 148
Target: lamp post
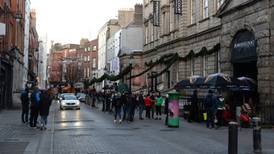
130, 65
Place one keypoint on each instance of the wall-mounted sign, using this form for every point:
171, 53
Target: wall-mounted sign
156, 13
178, 7
2, 29
244, 47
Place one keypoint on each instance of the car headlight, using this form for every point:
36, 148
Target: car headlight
78, 103
63, 103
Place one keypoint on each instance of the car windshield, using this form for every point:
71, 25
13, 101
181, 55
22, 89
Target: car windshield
69, 97
80, 95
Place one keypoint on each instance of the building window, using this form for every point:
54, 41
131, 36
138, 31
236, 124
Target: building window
93, 62
219, 3
88, 73
192, 11
205, 9
94, 48
146, 34
204, 65
88, 58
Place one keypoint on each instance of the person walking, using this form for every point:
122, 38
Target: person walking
153, 101
117, 107
148, 103
25, 105
124, 101
141, 105
220, 109
210, 106
34, 107
158, 105
44, 108
194, 107
132, 106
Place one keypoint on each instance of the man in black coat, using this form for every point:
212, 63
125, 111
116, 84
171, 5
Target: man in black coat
25, 105
44, 108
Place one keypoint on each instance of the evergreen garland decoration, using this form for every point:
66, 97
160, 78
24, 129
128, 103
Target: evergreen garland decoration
168, 60
111, 77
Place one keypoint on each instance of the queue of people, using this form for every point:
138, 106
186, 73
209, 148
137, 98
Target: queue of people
124, 105
38, 102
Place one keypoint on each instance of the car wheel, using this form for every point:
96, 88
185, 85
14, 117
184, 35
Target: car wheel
61, 108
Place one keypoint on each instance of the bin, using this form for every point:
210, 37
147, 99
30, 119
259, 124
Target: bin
173, 109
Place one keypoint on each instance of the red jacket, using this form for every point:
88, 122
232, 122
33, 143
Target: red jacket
148, 101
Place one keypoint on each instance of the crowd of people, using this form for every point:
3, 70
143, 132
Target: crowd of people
38, 102
125, 105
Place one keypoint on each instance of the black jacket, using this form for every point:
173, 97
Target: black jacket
45, 104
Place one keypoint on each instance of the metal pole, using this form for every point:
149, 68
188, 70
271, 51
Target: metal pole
233, 138
257, 146
130, 78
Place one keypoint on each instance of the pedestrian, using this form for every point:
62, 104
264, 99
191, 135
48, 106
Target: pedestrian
194, 107
34, 107
166, 109
158, 105
132, 106
153, 101
148, 104
124, 101
117, 107
93, 95
210, 109
44, 108
141, 104
220, 109
25, 105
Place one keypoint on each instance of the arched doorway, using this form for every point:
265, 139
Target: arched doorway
244, 55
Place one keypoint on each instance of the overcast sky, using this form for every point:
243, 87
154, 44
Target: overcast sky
67, 21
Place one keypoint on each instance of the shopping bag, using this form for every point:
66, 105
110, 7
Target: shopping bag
205, 116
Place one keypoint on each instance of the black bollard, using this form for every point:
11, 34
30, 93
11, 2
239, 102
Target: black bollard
233, 138
257, 146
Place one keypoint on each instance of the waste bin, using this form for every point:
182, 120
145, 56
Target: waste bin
173, 109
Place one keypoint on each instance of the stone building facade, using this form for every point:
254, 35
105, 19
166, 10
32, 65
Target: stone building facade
227, 26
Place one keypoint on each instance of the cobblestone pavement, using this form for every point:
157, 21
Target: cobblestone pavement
89, 131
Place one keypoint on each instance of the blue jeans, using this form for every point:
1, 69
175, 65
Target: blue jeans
125, 112
44, 121
141, 109
117, 112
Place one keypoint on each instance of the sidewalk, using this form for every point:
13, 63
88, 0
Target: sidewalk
16, 137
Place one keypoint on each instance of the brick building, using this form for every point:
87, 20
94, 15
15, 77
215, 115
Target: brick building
73, 63
12, 19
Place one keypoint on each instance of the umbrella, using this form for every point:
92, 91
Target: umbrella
184, 84
218, 80
246, 83
197, 81
122, 88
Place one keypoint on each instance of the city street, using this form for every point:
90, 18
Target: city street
91, 131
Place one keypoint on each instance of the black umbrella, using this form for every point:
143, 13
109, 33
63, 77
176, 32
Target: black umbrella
197, 81
184, 84
246, 83
218, 80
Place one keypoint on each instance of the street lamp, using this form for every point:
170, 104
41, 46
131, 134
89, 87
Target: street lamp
130, 65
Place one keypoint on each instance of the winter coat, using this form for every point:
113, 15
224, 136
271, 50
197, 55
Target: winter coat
159, 101
45, 104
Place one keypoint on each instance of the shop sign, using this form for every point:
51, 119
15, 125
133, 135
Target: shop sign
244, 47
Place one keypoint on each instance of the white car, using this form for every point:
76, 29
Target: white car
69, 101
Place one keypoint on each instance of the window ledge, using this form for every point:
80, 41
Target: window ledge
175, 30
205, 19
191, 25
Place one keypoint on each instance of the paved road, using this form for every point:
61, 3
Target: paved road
89, 131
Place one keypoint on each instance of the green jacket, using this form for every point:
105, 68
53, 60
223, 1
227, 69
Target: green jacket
159, 101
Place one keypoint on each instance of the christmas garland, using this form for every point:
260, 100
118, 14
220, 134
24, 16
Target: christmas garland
168, 60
